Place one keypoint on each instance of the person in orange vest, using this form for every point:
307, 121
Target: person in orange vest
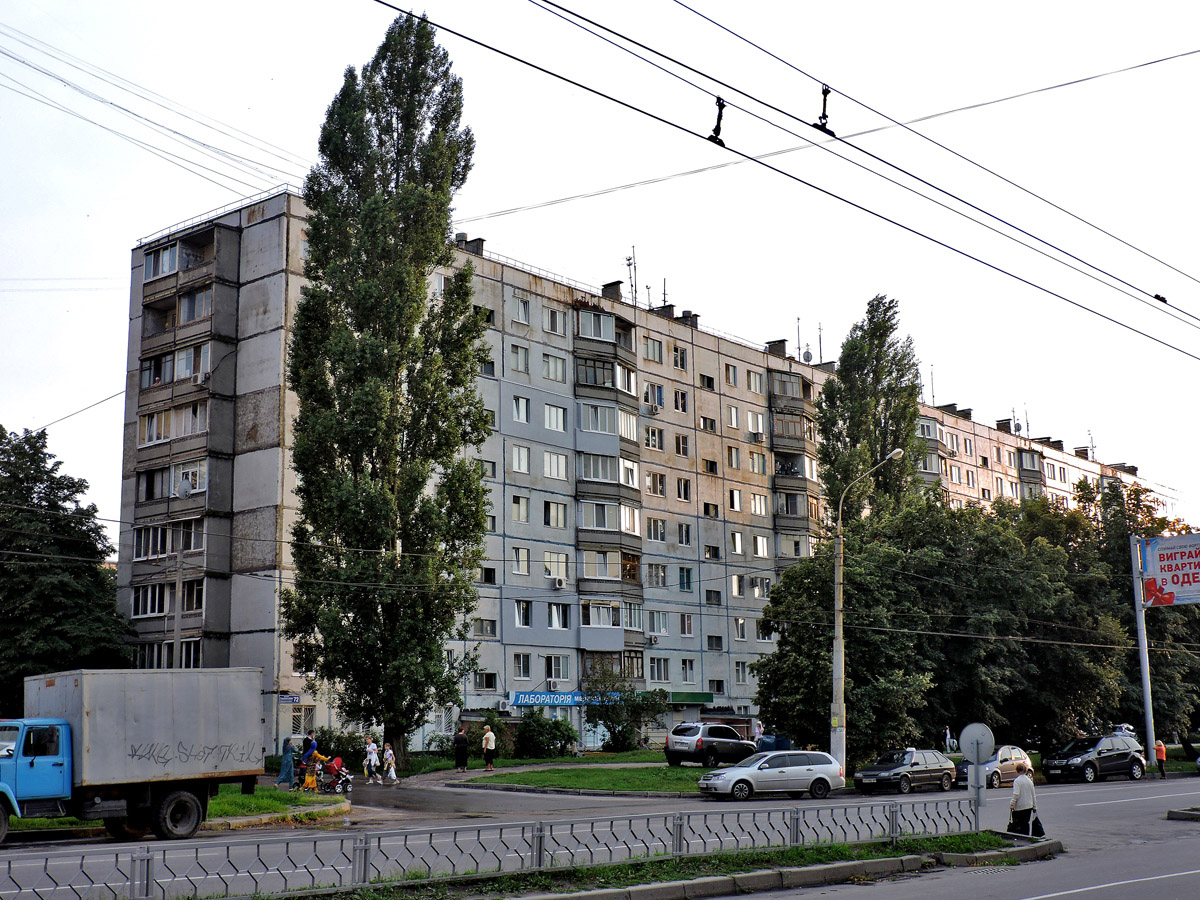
1160, 755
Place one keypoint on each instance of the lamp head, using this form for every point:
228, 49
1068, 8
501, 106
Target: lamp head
896, 454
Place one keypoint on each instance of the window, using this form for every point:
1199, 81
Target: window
712, 551
715, 642
680, 358
627, 425
656, 483
157, 370
970, 478
656, 575
755, 421
520, 459
594, 371
524, 613
488, 368
629, 519
683, 489
732, 416
485, 628
520, 358
652, 349
193, 596
154, 427
761, 587
712, 597
487, 575
735, 500
593, 467
626, 380
554, 368
520, 509
653, 394
1012, 489
685, 625
758, 463
687, 671
554, 564
195, 305
600, 615
556, 418
999, 486
189, 653
632, 661
656, 529
659, 669
599, 326
520, 665
685, 578
758, 504
654, 438
737, 585
735, 542
491, 522
598, 515
558, 667
191, 361
739, 629
1029, 460
631, 567
600, 564
520, 560
712, 511
685, 534
731, 374
485, 681
633, 615
710, 467
681, 445
520, 409
629, 472
162, 261
734, 457
760, 546
1062, 473
521, 308
754, 381
151, 599
708, 423
554, 465
656, 621
554, 320
708, 382
740, 672
955, 475
985, 493
1012, 459
558, 616
555, 514
760, 631
814, 508
490, 415
602, 419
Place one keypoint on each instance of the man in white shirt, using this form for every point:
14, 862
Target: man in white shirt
1023, 801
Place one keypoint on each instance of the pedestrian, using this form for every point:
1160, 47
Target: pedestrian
306, 752
1160, 756
489, 746
389, 764
372, 761
1024, 803
287, 765
460, 749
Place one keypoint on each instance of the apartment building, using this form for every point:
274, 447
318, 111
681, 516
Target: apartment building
649, 477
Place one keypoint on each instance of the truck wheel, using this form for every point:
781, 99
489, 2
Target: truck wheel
178, 816
3, 822
122, 830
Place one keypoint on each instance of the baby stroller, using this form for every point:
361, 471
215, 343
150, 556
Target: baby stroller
335, 778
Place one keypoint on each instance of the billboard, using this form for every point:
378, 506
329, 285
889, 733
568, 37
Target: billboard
1170, 570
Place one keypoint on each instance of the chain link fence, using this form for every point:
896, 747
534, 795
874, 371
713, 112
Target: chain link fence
245, 867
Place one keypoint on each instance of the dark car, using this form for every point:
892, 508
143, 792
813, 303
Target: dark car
905, 771
1000, 768
707, 743
1095, 757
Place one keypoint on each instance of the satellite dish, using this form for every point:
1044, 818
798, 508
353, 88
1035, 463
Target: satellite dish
807, 355
1017, 427
185, 488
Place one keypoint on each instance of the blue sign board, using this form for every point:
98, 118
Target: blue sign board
289, 698
547, 698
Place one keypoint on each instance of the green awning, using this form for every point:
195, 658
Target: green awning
691, 697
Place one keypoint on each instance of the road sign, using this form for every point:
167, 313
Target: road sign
976, 742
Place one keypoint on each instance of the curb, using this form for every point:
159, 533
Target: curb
585, 792
1035, 850
1184, 815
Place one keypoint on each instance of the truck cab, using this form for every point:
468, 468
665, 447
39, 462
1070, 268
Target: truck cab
35, 767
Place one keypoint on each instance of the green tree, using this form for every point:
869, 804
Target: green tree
58, 598
868, 409
392, 504
611, 701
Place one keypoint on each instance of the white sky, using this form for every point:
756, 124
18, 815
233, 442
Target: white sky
755, 254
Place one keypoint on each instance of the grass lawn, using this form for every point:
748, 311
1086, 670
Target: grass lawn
421, 765
653, 778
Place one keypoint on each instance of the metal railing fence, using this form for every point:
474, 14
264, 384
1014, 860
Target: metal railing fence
243, 867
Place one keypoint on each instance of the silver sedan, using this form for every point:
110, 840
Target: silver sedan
789, 771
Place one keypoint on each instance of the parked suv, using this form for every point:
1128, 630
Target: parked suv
1096, 757
706, 743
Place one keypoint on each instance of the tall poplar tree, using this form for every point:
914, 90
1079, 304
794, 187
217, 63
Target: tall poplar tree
868, 409
392, 505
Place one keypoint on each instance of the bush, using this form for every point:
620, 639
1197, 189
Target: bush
538, 737
504, 738
440, 744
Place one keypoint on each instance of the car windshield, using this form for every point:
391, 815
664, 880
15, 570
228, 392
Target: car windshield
8, 739
752, 760
1079, 745
685, 730
892, 758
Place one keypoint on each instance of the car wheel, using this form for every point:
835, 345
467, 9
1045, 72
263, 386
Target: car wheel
994, 780
947, 781
1089, 773
1136, 771
673, 760
905, 784
741, 790
819, 789
711, 759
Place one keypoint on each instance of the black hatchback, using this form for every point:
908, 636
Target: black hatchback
905, 771
1096, 757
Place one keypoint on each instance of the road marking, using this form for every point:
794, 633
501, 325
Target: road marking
1100, 887
1136, 799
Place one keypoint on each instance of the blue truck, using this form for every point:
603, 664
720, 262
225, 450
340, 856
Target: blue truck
141, 750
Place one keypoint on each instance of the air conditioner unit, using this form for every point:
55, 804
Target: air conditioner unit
654, 409
552, 686
560, 583
502, 705
654, 638
197, 379
756, 437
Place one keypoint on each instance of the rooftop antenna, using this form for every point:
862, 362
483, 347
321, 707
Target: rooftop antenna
664, 294
1027, 431
1092, 443
820, 347
932, 392
1016, 422
649, 302
631, 267
807, 354
797, 337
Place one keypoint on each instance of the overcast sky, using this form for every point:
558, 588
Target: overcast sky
104, 108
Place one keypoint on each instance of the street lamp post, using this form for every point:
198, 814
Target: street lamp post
837, 718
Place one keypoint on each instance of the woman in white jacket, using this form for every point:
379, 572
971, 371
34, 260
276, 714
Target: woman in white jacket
1023, 801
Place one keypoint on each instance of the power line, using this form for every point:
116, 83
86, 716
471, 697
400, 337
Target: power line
78, 411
